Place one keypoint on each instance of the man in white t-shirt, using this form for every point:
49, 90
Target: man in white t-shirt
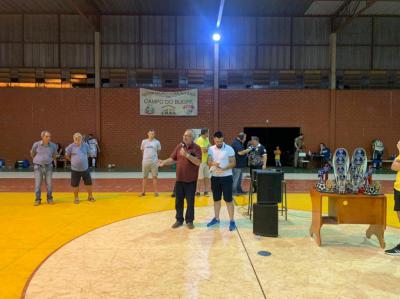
221, 159
150, 148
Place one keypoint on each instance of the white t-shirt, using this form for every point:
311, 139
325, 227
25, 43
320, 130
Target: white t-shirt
150, 150
221, 156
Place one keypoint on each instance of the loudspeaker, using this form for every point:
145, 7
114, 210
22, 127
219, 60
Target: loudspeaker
265, 220
269, 185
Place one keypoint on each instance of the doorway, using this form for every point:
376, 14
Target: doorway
271, 137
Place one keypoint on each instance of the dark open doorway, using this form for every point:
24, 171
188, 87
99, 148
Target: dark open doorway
271, 137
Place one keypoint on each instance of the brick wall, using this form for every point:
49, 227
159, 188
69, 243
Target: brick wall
307, 109
27, 112
123, 129
360, 117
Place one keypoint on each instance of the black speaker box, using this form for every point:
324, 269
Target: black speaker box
265, 219
269, 185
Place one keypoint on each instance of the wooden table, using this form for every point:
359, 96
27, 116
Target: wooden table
349, 209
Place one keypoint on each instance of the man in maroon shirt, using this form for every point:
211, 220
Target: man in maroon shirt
187, 156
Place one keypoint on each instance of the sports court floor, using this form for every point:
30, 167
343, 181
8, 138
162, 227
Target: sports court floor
122, 246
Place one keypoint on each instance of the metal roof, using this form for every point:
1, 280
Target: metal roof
192, 7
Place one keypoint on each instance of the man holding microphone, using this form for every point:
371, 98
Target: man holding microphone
187, 156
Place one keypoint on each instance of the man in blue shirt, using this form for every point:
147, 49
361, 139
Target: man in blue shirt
43, 153
78, 153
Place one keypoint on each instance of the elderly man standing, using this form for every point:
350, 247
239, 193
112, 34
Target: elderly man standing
150, 148
43, 153
187, 156
78, 153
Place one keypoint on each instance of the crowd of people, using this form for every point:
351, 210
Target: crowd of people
219, 166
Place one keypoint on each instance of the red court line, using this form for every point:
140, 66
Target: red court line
135, 185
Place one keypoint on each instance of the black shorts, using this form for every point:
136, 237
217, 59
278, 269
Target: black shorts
77, 175
222, 185
396, 200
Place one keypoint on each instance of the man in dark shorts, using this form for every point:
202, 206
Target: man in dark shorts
396, 167
221, 159
187, 156
78, 153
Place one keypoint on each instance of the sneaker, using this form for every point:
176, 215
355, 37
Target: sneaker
206, 193
232, 225
394, 251
37, 202
50, 201
156, 194
213, 222
197, 193
177, 224
190, 225
142, 194
173, 195
76, 201
91, 198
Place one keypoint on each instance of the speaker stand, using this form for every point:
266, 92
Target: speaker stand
282, 206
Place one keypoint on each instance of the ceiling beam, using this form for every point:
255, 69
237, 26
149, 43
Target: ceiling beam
93, 25
95, 7
347, 13
338, 11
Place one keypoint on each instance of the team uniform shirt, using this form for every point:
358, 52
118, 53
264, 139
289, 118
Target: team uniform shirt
203, 142
255, 155
79, 156
150, 150
221, 156
43, 154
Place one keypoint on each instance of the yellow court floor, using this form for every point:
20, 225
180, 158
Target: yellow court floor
30, 234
